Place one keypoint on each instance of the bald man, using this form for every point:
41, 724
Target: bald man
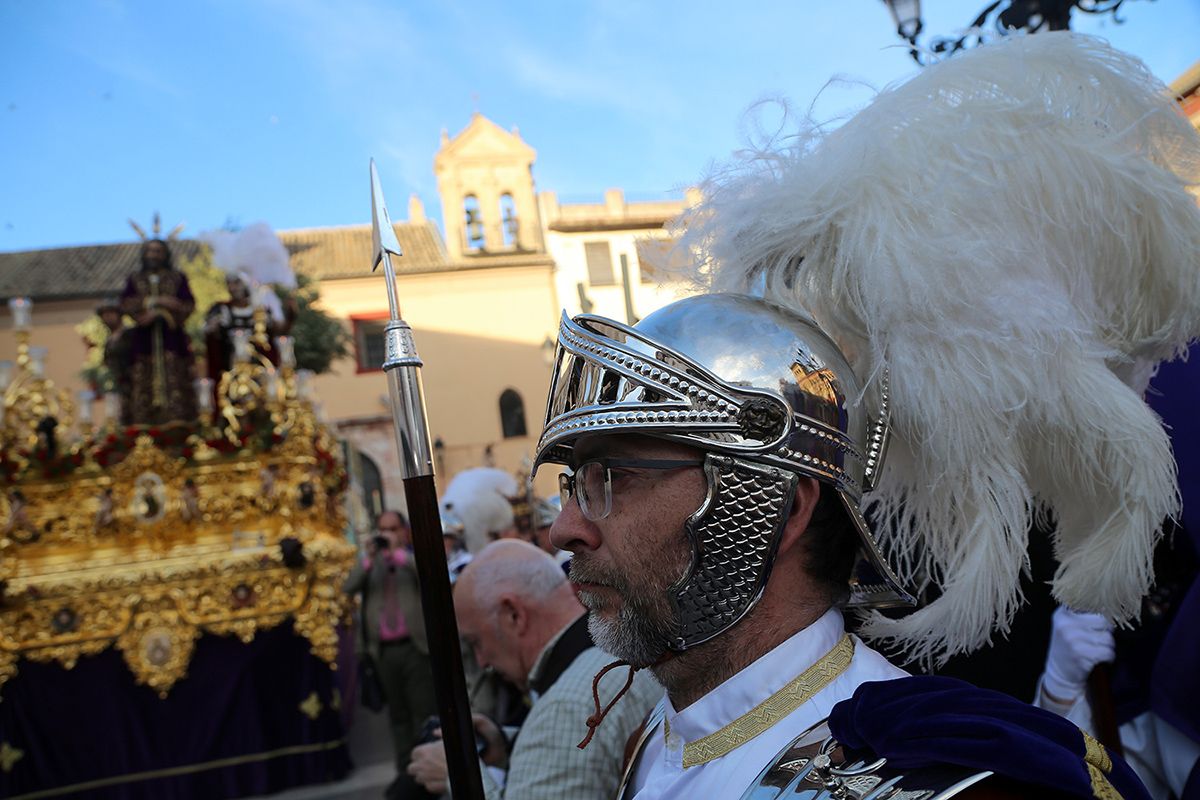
520, 616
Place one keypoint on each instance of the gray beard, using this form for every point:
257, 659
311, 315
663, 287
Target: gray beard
637, 635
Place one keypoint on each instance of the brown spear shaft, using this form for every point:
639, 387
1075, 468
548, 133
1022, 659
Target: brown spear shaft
403, 367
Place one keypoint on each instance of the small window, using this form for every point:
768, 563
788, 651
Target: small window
508, 220
372, 484
473, 220
599, 263
369, 348
512, 414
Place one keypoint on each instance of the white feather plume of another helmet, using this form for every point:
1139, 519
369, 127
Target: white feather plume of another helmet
257, 257
254, 250
479, 497
1010, 235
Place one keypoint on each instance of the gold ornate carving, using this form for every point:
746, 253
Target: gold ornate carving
158, 645
8, 665
311, 707
29, 399
9, 756
145, 538
153, 612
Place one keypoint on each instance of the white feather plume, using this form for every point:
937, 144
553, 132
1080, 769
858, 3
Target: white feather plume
254, 250
1007, 233
479, 497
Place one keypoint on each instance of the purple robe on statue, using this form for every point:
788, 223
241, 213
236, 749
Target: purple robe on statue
159, 387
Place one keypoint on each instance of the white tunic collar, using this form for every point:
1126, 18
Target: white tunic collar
756, 682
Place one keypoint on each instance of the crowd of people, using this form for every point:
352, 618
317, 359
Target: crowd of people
921, 374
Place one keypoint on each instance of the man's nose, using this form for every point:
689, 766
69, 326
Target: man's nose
573, 531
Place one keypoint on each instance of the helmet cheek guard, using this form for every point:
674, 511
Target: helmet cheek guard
734, 537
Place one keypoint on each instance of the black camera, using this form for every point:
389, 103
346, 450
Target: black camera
381, 542
434, 723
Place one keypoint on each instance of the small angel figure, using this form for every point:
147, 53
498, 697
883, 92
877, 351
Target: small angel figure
19, 526
191, 501
267, 477
308, 495
104, 511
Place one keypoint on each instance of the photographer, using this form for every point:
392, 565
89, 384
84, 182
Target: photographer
394, 632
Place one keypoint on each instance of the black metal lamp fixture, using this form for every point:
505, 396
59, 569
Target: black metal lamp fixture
1004, 15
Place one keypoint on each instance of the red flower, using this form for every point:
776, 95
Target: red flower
186, 452
154, 433
131, 431
111, 439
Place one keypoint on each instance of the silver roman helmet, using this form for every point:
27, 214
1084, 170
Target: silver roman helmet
768, 397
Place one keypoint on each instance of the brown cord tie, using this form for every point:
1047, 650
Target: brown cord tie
599, 714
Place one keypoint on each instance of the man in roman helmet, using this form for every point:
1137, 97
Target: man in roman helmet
943, 314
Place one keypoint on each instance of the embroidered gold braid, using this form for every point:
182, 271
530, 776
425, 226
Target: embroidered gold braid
1094, 753
1098, 764
798, 691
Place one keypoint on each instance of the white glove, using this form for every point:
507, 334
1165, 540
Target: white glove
1078, 643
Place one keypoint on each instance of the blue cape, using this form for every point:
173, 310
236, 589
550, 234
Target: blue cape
923, 721
1175, 394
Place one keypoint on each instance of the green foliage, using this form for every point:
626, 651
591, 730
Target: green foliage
94, 373
319, 337
207, 283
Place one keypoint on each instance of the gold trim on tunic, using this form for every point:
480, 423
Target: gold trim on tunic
794, 694
1098, 763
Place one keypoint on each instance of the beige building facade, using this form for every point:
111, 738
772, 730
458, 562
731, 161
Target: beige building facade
484, 301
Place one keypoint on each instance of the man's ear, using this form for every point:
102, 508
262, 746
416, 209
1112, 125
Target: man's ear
808, 492
513, 615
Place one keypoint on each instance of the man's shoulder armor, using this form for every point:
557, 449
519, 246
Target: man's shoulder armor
815, 767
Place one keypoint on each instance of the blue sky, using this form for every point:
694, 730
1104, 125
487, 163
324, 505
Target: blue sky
244, 110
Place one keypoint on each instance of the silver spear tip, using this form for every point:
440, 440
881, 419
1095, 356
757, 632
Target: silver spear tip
383, 235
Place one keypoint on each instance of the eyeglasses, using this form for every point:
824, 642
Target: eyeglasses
591, 482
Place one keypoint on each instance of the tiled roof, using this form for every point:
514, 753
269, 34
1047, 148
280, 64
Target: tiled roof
344, 252
76, 272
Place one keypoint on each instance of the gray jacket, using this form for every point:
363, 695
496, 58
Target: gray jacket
408, 593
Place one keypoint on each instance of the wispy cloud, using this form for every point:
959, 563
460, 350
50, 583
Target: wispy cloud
352, 42
129, 66
594, 79
115, 56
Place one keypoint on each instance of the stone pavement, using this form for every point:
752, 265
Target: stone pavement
374, 767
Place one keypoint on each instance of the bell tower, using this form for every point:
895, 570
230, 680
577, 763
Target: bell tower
485, 179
